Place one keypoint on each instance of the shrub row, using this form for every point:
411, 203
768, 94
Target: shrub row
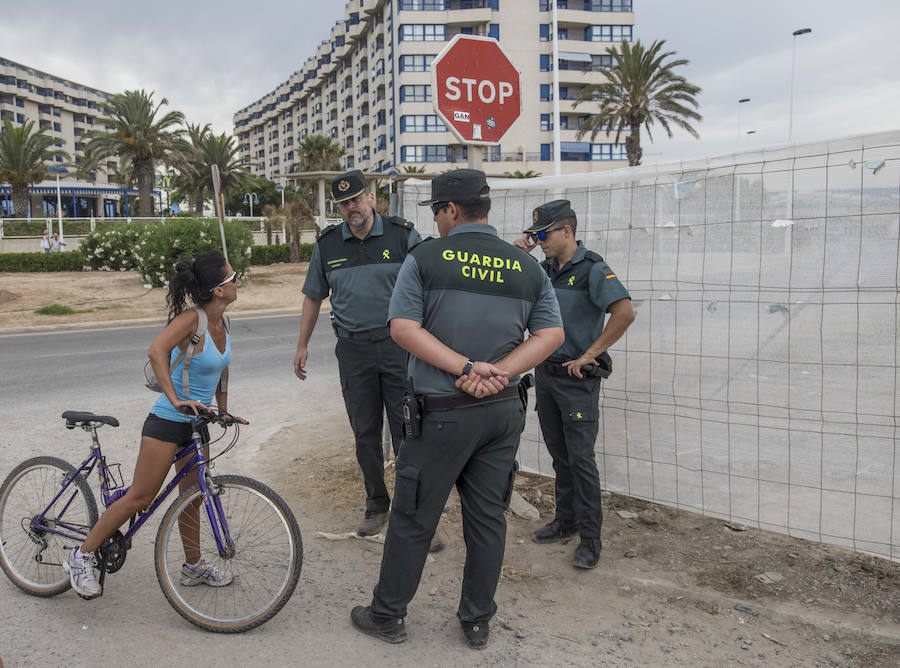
269, 254
36, 228
66, 261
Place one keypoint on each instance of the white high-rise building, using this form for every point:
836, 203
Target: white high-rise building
368, 86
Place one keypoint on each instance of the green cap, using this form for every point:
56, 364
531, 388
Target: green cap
460, 185
348, 185
547, 214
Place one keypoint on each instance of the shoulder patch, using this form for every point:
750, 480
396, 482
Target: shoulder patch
328, 229
592, 256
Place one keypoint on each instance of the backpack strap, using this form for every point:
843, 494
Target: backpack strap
223, 380
188, 352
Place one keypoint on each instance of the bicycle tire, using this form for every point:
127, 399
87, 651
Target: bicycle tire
27, 491
265, 566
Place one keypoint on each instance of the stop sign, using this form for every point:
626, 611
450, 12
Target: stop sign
476, 89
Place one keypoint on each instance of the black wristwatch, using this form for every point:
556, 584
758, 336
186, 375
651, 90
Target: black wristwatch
468, 367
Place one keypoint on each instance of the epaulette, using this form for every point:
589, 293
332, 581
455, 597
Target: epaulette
420, 242
592, 256
400, 222
326, 231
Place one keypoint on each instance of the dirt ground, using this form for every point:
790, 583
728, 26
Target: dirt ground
672, 587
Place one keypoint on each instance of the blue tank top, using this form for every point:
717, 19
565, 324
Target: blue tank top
206, 370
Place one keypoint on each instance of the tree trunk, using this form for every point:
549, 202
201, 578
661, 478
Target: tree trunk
143, 170
20, 201
633, 146
198, 202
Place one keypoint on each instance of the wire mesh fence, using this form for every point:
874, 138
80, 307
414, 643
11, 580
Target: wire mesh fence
759, 381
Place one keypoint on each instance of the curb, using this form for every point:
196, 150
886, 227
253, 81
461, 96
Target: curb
135, 322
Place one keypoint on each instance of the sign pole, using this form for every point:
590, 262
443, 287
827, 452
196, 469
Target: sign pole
219, 204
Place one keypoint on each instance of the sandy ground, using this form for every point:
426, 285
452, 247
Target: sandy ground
672, 587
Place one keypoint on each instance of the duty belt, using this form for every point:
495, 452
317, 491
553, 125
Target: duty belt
430, 404
589, 370
373, 335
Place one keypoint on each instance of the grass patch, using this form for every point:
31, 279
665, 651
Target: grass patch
59, 309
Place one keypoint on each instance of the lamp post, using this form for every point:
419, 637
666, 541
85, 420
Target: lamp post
796, 33
743, 100
58, 169
251, 199
280, 188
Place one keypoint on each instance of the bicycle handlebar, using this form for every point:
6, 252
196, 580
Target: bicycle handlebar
209, 416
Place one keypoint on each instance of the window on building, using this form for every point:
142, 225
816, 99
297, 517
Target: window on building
415, 93
421, 123
546, 151
20, 102
423, 32
608, 33
419, 62
608, 152
546, 95
546, 122
545, 62
544, 32
601, 61
494, 30
425, 153
20, 118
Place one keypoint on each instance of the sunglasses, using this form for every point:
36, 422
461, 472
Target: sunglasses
542, 235
438, 206
230, 279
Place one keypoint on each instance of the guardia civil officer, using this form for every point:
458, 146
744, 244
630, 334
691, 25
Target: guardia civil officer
461, 306
567, 384
356, 263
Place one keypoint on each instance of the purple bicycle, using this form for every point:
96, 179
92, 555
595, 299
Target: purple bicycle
238, 524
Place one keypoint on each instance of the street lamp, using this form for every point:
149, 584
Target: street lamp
58, 169
796, 33
251, 199
280, 188
740, 102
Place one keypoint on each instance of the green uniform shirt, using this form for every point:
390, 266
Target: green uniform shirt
585, 288
477, 294
359, 274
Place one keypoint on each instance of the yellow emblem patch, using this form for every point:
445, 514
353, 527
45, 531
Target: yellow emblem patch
386, 254
343, 186
571, 280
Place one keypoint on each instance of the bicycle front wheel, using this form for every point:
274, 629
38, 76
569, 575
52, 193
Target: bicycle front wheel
259, 571
32, 556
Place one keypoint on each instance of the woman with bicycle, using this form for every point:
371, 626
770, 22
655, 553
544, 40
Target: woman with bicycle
211, 284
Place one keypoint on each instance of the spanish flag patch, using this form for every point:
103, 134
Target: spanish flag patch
610, 276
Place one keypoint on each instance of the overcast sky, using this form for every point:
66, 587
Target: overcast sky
211, 59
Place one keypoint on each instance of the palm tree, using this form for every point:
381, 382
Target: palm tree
319, 153
222, 151
22, 157
191, 167
641, 88
140, 138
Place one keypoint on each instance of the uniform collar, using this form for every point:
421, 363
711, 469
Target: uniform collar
580, 252
484, 228
376, 231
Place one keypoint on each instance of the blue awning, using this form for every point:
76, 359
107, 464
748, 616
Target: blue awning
80, 190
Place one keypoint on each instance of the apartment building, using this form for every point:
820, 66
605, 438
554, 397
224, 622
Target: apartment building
368, 86
68, 110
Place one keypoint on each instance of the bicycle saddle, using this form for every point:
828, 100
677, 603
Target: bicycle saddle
73, 418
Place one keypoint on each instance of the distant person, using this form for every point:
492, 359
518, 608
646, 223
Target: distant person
567, 384
45, 243
56, 243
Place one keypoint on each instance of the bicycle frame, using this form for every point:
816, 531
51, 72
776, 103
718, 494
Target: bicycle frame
211, 501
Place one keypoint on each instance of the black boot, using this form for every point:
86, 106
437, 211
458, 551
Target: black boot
476, 634
587, 554
389, 629
555, 532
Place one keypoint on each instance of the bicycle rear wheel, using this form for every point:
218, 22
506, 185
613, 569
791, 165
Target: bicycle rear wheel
265, 563
32, 558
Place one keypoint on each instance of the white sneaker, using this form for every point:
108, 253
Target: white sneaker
205, 573
80, 568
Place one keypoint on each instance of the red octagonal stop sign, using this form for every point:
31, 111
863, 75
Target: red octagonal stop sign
476, 89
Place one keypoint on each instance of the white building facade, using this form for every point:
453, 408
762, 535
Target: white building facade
369, 87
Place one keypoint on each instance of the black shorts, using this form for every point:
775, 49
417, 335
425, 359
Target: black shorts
170, 431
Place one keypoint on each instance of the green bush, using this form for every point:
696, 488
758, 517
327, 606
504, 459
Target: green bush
66, 261
24, 228
269, 254
306, 252
112, 248
165, 244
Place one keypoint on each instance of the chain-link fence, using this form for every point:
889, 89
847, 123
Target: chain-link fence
759, 381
